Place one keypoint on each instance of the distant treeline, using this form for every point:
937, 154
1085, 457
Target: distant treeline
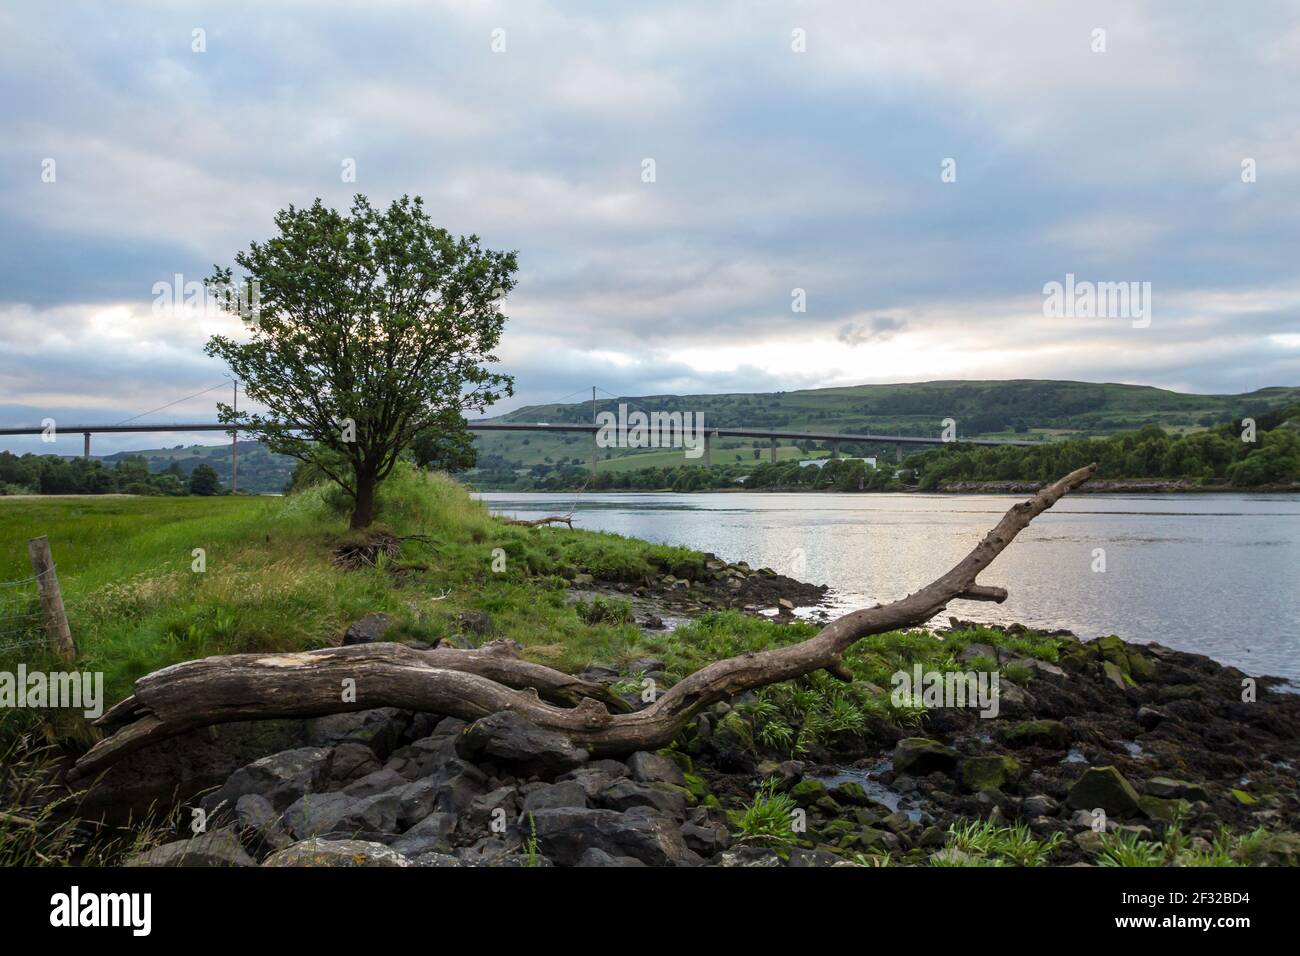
52, 475
1215, 456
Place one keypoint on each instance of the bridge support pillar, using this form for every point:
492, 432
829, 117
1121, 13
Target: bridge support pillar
835, 449
86, 452
773, 449
708, 450
595, 453
898, 453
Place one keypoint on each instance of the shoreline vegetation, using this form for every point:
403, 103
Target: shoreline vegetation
1186, 770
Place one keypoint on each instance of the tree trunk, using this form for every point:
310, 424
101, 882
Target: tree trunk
363, 506
460, 684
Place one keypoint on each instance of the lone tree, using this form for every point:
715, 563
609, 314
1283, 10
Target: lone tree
365, 331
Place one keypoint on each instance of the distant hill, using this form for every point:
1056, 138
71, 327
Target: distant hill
1024, 408
259, 470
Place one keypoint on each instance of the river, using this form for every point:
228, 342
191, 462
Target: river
1218, 574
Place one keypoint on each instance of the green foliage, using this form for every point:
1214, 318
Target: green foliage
204, 481
767, 819
369, 330
1013, 845
601, 610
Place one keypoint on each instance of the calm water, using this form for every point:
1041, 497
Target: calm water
1217, 574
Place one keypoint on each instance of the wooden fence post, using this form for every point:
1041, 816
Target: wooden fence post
47, 583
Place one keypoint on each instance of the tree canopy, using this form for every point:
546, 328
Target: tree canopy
369, 329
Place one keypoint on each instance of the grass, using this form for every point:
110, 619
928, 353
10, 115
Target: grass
135, 602
987, 844
768, 819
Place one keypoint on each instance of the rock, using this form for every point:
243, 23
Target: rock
368, 629
337, 853
455, 785
1048, 734
490, 812
705, 839
380, 729
598, 857
591, 780
430, 835
625, 794
569, 793
319, 814
476, 622
424, 757
973, 651
1169, 788
921, 756
564, 834
1105, 787
1114, 675
350, 762
733, 732
218, 848
750, 856
647, 665
994, 772
1040, 805
508, 739
1149, 718
259, 822
808, 792
652, 768
1244, 798
281, 778
435, 859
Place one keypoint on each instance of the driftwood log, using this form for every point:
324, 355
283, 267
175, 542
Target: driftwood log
538, 522
473, 684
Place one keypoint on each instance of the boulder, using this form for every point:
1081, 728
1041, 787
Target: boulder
281, 778
336, 853
218, 848
992, 772
319, 814
1169, 788
565, 833
552, 796
750, 856
432, 834
1105, 787
598, 857
379, 728
1047, 734
921, 756
653, 768
368, 629
625, 794
259, 823
509, 740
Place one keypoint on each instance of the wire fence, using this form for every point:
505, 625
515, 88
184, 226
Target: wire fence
21, 617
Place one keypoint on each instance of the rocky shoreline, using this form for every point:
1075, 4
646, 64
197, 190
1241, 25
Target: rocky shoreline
1111, 742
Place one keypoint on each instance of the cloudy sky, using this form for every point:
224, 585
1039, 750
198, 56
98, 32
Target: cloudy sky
795, 146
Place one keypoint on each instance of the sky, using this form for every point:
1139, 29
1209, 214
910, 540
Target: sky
704, 197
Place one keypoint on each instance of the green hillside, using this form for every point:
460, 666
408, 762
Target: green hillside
1023, 409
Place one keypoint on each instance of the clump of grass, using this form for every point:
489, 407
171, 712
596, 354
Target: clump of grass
1130, 850
767, 819
601, 610
1013, 845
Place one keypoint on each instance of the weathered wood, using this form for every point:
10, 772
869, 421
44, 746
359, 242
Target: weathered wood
47, 585
256, 686
536, 522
